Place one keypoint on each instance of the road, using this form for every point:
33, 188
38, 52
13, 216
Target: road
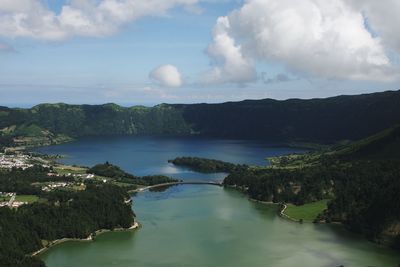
11, 201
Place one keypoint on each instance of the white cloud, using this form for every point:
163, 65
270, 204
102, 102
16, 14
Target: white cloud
30, 18
383, 17
230, 63
167, 75
317, 37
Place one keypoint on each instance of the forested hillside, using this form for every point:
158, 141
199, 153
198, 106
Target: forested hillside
205, 165
361, 179
115, 172
84, 120
63, 215
315, 120
383, 145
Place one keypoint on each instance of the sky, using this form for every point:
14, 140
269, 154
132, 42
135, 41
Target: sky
146, 52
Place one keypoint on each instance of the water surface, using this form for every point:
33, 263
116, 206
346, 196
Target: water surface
207, 225
203, 225
150, 155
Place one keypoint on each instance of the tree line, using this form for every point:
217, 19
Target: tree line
266, 119
20, 181
64, 214
110, 170
206, 165
364, 193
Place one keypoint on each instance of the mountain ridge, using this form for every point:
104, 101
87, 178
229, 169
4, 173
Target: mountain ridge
318, 120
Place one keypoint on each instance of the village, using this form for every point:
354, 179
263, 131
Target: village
75, 178
77, 184
15, 161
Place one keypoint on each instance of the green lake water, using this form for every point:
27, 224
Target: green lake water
205, 225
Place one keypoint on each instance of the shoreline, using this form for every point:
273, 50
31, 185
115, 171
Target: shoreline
262, 202
91, 237
281, 212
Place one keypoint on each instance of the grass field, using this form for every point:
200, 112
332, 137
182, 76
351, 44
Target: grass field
70, 169
307, 212
26, 198
78, 187
4, 199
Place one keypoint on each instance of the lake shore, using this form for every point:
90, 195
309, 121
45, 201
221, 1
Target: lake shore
91, 237
281, 212
284, 215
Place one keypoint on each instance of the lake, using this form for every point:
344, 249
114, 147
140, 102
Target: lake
204, 225
150, 155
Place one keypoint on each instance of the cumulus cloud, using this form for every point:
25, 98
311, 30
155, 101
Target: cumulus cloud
230, 63
167, 75
383, 17
317, 37
31, 18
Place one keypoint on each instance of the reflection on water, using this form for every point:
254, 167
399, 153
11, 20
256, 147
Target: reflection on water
203, 225
160, 188
150, 155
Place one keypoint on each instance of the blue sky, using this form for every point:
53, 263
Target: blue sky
117, 66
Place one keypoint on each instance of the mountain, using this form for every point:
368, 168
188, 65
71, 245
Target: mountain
316, 120
84, 120
383, 145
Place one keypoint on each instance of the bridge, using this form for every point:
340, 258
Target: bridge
177, 183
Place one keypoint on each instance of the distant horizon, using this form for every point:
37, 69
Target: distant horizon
127, 105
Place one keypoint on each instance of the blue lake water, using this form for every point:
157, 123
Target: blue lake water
150, 155
204, 225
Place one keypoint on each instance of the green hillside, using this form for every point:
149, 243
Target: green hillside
316, 120
384, 145
361, 179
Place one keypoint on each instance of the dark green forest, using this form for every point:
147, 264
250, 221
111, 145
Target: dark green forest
86, 120
316, 120
5, 141
109, 170
63, 215
364, 194
20, 181
362, 180
205, 165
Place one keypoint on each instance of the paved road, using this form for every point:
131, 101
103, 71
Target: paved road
11, 201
